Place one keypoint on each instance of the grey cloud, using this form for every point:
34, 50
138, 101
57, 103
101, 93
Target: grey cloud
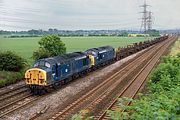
85, 14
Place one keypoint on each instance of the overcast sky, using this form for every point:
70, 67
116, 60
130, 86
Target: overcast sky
86, 14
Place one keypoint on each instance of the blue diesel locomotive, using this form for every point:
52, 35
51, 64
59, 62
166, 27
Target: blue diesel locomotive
102, 55
55, 71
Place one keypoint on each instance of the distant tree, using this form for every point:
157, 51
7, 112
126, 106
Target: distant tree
153, 33
50, 45
124, 34
34, 32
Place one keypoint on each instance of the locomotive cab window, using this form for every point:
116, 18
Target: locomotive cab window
36, 64
47, 65
42, 64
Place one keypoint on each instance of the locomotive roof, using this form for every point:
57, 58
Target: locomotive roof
65, 57
99, 49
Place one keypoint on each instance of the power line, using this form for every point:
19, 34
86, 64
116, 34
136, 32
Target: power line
146, 22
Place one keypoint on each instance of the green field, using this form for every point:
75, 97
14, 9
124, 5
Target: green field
26, 46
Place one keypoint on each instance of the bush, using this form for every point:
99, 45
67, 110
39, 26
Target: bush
82, 115
164, 69
2, 83
11, 62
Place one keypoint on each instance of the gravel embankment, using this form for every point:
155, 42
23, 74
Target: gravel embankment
10, 87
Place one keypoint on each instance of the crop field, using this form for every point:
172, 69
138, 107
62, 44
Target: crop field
26, 46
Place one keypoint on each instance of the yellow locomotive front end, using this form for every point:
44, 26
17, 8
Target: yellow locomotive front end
36, 77
92, 60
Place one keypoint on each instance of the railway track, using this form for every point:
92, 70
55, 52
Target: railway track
7, 91
13, 99
92, 99
16, 104
135, 85
11, 94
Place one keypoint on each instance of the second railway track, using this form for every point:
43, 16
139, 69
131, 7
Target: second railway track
107, 90
13, 93
13, 99
17, 103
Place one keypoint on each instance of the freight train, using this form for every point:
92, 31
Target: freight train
55, 71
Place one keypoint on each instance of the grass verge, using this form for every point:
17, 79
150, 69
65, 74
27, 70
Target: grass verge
7, 78
176, 49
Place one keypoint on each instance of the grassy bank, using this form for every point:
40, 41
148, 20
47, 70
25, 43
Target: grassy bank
7, 78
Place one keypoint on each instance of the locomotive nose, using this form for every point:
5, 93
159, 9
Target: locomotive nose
35, 76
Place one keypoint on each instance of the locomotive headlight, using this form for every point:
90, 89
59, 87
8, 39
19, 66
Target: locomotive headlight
41, 81
27, 80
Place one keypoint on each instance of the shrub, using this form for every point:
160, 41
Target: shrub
11, 61
82, 115
164, 70
2, 83
170, 67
